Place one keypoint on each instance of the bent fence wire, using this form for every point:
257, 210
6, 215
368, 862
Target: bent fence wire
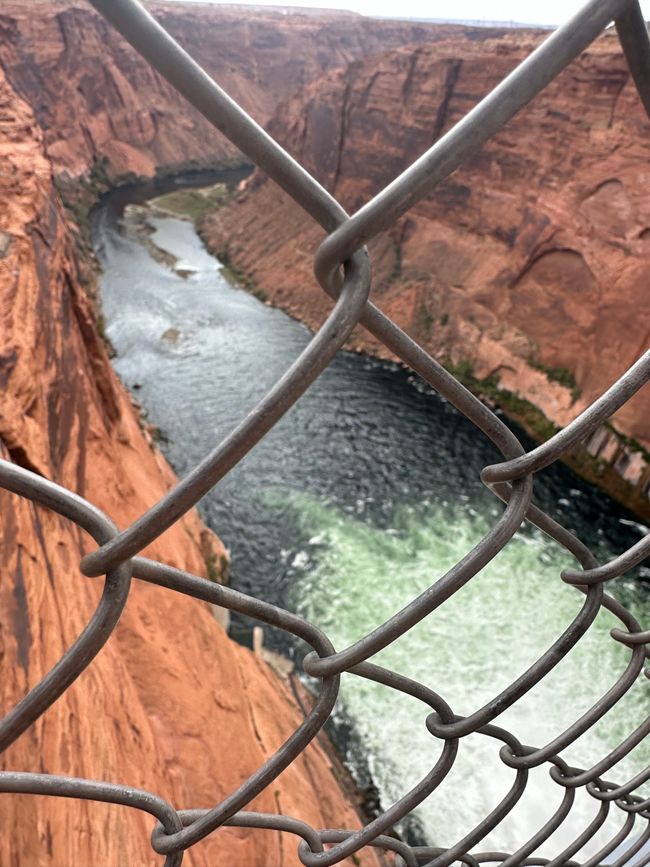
342, 269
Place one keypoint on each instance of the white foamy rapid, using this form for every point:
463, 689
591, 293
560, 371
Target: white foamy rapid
468, 650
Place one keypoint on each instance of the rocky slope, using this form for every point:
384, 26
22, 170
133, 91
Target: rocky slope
170, 704
528, 266
96, 99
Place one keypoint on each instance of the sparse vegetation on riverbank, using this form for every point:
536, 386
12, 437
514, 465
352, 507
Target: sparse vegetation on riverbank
192, 203
234, 276
595, 470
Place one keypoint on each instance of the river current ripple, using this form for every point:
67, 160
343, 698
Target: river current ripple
363, 495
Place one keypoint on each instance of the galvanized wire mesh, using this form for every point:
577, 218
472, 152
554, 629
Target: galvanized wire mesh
342, 268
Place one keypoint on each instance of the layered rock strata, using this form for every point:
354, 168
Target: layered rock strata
170, 705
528, 267
97, 100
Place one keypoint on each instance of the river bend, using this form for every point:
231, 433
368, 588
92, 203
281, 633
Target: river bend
364, 494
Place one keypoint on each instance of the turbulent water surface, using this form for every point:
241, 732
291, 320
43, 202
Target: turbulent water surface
357, 501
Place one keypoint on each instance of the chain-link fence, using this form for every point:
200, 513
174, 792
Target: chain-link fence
343, 270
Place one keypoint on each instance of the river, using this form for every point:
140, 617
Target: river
361, 497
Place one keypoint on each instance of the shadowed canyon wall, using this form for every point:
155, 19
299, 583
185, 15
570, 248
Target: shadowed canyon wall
528, 266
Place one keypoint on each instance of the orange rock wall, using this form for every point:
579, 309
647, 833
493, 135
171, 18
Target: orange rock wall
535, 249
94, 97
170, 704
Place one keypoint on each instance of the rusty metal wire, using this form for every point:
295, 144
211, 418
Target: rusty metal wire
342, 268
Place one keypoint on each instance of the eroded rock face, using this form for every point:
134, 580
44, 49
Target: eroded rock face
533, 256
95, 97
170, 704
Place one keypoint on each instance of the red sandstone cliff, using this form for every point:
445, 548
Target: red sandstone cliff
170, 704
94, 97
532, 257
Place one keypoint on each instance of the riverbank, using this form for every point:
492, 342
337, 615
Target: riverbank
604, 460
608, 459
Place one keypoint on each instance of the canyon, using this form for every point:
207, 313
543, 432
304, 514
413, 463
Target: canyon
526, 271
119, 112
556, 201
171, 704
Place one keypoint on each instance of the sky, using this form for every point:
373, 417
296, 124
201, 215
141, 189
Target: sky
523, 11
